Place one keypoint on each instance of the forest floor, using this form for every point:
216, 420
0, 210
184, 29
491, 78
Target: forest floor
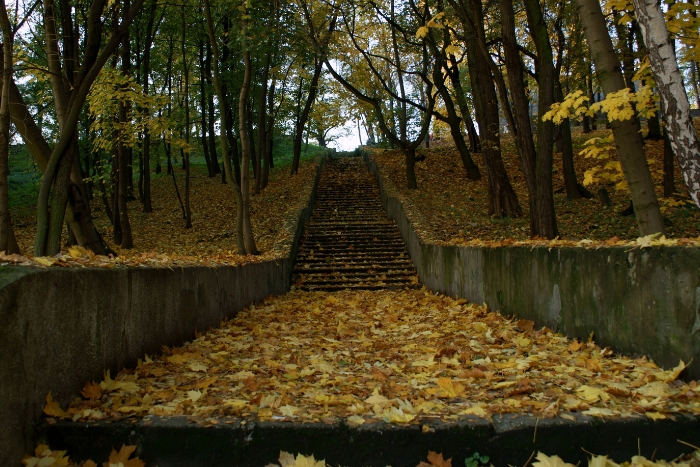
160, 237
448, 208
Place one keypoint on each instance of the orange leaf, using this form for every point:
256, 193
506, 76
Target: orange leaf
436, 460
122, 457
91, 391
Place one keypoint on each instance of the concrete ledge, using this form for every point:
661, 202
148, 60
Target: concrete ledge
508, 440
641, 301
63, 327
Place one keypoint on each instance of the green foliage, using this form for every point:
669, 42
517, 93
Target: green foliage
282, 151
23, 180
476, 460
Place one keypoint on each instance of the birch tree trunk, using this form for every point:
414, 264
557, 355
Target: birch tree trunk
675, 108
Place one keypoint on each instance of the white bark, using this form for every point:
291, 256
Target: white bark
675, 108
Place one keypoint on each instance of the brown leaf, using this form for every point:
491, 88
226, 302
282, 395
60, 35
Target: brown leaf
251, 384
525, 325
473, 373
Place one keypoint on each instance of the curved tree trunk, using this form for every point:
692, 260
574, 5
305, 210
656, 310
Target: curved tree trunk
675, 108
502, 198
248, 237
228, 171
301, 123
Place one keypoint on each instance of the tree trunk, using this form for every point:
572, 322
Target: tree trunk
502, 198
669, 187
8, 242
212, 115
675, 108
301, 123
628, 141
203, 116
186, 90
546, 222
523, 130
228, 171
146, 170
248, 237
262, 120
453, 119
453, 72
269, 129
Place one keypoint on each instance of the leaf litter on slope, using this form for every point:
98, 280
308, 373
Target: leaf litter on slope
449, 209
396, 356
160, 237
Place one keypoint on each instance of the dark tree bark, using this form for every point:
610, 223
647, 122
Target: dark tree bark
453, 119
545, 219
248, 237
502, 198
628, 141
453, 73
303, 117
214, 159
203, 116
228, 171
262, 120
186, 90
8, 242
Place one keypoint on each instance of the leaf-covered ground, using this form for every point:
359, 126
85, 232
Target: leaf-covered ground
160, 237
397, 356
45, 457
449, 208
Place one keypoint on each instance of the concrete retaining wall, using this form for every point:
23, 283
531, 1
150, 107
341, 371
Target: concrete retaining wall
62, 327
638, 301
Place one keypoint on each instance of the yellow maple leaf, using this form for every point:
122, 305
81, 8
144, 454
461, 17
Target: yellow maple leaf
591, 394
655, 415
475, 410
422, 32
288, 460
543, 460
395, 415
52, 407
447, 388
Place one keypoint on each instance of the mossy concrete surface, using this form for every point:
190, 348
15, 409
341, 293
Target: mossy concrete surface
63, 327
638, 301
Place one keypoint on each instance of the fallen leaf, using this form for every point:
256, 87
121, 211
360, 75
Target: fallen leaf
91, 391
121, 458
52, 408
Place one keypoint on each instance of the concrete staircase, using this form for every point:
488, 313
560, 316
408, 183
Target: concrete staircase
349, 243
